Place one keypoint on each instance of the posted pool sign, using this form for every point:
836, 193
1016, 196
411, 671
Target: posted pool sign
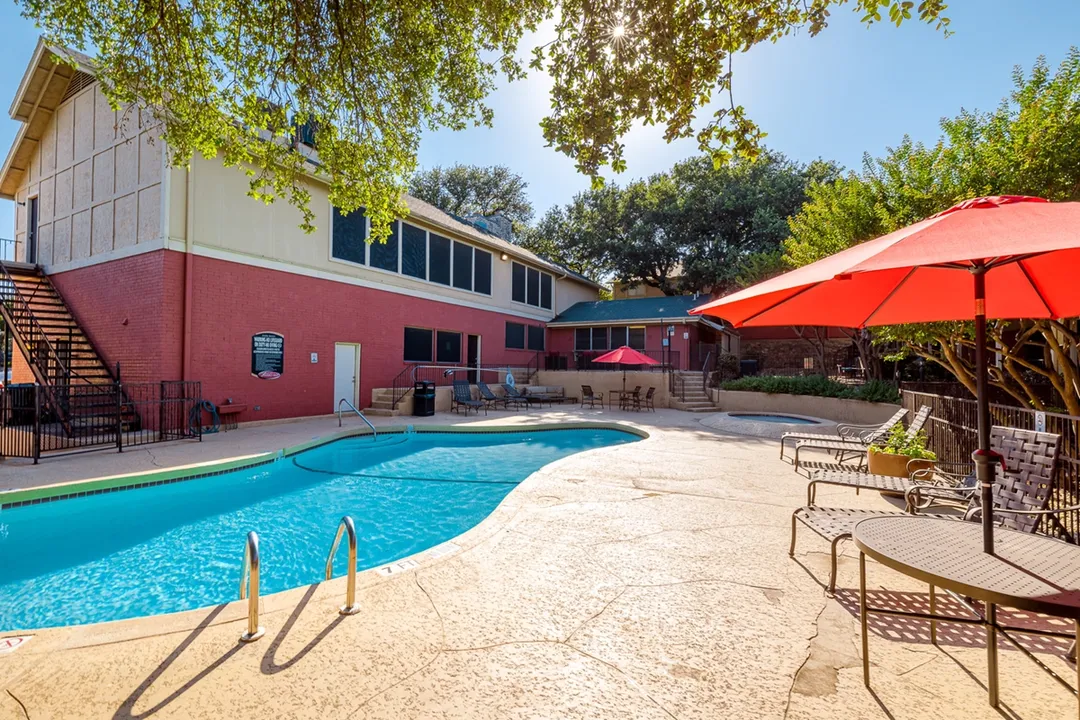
267, 355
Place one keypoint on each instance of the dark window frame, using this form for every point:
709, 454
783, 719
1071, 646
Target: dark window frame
335, 217
532, 332
424, 234
431, 344
380, 248
433, 239
577, 335
524, 335
458, 268
477, 264
438, 347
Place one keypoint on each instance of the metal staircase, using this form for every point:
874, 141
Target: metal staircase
78, 385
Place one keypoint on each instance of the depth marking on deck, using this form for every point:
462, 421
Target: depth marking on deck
11, 644
397, 567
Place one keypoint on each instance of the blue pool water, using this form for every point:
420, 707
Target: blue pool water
764, 417
179, 546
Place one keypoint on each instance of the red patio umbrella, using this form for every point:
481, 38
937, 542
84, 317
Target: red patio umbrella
625, 356
991, 257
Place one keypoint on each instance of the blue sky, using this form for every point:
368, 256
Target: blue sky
850, 90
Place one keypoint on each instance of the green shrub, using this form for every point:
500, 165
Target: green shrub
897, 443
817, 386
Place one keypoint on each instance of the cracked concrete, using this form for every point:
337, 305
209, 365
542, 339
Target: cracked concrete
645, 581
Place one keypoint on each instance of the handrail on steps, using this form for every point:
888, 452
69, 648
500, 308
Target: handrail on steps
374, 432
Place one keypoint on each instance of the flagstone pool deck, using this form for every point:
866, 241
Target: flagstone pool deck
648, 580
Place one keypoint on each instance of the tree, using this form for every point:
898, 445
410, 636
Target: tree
1029, 145
228, 77
696, 227
474, 190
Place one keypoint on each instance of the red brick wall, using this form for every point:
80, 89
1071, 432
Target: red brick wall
562, 340
20, 370
132, 310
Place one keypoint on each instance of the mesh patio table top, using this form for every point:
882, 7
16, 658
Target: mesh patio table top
1027, 571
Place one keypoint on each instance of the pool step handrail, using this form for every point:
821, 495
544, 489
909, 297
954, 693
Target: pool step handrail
346, 525
249, 587
345, 401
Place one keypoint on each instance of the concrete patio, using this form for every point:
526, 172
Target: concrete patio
648, 580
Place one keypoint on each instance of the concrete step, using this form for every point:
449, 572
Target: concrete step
382, 404
380, 412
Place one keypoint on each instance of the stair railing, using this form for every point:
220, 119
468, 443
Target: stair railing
22, 318
401, 387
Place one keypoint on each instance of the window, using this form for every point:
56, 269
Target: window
534, 287
536, 337
417, 345
413, 251
385, 255
637, 338
439, 270
515, 336
517, 272
583, 339
349, 241
463, 266
448, 347
599, 338
545, 291
482, 276
618, 337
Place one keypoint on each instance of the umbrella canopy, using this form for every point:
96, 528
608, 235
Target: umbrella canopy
996, 257
625, 356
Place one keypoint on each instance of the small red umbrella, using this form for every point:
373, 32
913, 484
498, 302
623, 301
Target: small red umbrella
625, 356
996, 257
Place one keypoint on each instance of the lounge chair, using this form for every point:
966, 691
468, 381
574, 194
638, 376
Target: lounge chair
1021, 492
869, 433
490, 399
513, 395
588, 396
844, 450
463, 398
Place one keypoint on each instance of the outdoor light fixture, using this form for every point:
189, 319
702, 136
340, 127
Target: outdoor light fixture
505, 257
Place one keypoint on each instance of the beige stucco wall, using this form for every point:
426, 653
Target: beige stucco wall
97, 175
603, 381
231, 224
837, 409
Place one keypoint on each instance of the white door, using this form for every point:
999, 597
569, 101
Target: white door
346, 373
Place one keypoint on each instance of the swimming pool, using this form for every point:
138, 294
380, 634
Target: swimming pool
179, 546
770, 418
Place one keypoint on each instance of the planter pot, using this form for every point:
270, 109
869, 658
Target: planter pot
879, 463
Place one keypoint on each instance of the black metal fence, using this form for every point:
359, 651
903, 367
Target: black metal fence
38, 421
667, 360
952, 434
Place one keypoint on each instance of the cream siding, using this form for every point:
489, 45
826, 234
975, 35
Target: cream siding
97, 176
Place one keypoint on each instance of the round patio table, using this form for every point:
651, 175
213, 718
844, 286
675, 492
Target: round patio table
1027, 572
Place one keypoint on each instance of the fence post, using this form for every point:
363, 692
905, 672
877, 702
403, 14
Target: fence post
36, 436
161, 412
119, 415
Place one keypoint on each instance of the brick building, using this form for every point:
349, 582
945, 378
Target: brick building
177, 274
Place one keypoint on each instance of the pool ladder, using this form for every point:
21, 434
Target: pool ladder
249, 577
249, 587
344, 401
345, 526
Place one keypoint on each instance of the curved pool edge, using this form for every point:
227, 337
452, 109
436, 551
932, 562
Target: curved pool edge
736, 422
180, 473
330, 592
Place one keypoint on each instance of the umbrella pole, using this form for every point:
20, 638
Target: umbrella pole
984, 457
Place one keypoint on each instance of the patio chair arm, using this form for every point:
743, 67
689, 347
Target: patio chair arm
940, 476
922, 497
850, 430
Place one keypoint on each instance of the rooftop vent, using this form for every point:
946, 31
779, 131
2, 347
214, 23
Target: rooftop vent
79, 82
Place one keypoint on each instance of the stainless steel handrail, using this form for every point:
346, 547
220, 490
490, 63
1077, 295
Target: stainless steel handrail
346, 525
374, 432
250, 575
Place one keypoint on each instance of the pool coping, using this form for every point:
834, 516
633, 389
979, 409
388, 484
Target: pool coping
49, 639
10, 499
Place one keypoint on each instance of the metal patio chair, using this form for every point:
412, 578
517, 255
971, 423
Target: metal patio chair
588, 396
1021, 492
515, 396
463, 398
867, 433
490, 399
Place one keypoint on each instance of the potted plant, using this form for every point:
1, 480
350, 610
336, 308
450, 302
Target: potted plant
899, 455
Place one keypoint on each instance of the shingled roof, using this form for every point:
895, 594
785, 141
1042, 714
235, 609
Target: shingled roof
639, 310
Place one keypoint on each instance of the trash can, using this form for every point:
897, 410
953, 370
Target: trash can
423, 399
